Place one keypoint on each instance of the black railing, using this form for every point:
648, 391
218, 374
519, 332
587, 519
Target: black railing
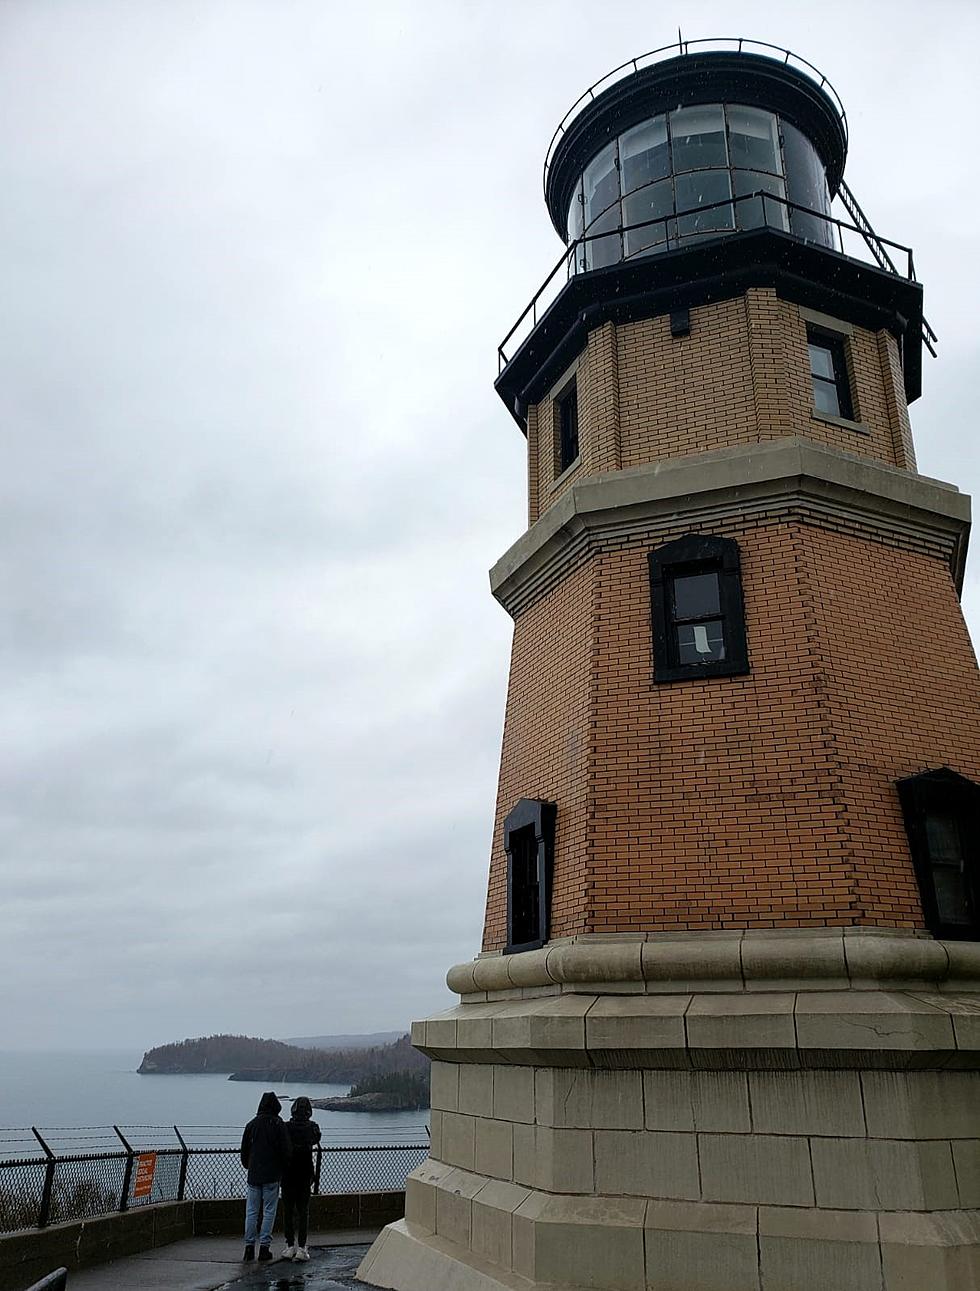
576, 258
710, 44
52, 1186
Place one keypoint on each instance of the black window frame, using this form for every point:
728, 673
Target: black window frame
536, 817
566, 428
835, 343
943, 791
697, 554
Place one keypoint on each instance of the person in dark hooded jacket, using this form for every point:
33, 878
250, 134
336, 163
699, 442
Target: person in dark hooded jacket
266, 1149
304, 1135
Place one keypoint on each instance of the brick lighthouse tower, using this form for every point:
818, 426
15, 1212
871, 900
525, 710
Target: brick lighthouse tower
724, 1031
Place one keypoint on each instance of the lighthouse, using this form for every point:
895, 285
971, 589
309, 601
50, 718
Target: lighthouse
723, 1032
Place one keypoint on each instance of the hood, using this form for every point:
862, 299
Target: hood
269, 1104
302, 1108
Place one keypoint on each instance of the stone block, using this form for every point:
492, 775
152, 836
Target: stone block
640, 1031
853, 1022
721, 1101
883, 1174
649, 1163
818, 1249
475, 1089
454, 1197
677, 1261
494, 1148
706, 962
806, 1102
435, 1134
922, 1104
474, 1031
550, 1030
571, 1098
439, 1036
726, 1030
458, 1140
420, 1202
492, 1221
444, 1086
513, 1093
747, 1168
938, 1251
554, 1160
804, 962
966, 1162
585, 1242
668, 1100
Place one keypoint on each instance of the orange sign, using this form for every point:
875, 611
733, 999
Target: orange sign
146, 1164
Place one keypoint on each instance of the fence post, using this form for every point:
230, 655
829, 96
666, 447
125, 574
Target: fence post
128, 1172
44, 1209
182, 1178
319, 1163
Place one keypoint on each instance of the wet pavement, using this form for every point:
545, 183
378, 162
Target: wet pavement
330, 1269
215, 1264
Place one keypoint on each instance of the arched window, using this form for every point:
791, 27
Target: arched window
698, 614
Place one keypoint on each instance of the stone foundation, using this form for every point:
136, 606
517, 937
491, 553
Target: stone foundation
636, 1134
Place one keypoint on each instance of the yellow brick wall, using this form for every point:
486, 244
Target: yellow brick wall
741, 376
759, 801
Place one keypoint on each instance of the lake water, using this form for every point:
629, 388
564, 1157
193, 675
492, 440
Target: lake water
63, 1092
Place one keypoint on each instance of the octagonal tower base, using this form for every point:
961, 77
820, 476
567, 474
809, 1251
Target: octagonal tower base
789, 1110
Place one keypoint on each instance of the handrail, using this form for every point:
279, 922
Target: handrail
676, 49
38, 1180
567, 260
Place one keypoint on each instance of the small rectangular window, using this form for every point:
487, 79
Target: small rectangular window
828, 374
698, 615
942, 819
529, 837
566, 410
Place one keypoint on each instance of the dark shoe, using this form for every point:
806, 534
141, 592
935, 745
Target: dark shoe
264, 1254
249, 1255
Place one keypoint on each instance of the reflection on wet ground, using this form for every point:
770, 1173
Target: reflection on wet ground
331, 1268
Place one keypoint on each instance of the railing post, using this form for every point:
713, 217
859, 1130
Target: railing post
319, 1164
128, 1172
44, 1209
182, 1177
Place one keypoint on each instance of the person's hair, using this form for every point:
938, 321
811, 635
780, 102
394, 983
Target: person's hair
302, 1108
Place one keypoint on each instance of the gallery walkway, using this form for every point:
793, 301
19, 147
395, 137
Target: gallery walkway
214, 1263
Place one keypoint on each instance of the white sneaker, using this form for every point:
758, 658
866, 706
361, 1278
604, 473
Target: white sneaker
301, 1253
288, 1253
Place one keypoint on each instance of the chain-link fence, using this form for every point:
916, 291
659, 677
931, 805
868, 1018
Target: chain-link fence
53, 1186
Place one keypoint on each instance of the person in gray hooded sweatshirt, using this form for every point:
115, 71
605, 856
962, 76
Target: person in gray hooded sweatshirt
266, 1150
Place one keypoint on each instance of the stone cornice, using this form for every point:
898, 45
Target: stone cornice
771, 478
754, 960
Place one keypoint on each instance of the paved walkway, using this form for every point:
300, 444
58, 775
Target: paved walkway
214, 1263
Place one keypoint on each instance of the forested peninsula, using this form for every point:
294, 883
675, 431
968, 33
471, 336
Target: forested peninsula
389, 1077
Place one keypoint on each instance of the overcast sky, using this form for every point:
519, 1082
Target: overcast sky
256, 259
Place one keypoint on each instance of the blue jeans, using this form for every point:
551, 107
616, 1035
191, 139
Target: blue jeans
264, 1196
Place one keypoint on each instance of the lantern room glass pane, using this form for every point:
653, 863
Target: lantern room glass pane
604, 251
753, 213
697, 138
753, 138
576, 220
650, 203
703, 188
644, 155
601, 183
806, 185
